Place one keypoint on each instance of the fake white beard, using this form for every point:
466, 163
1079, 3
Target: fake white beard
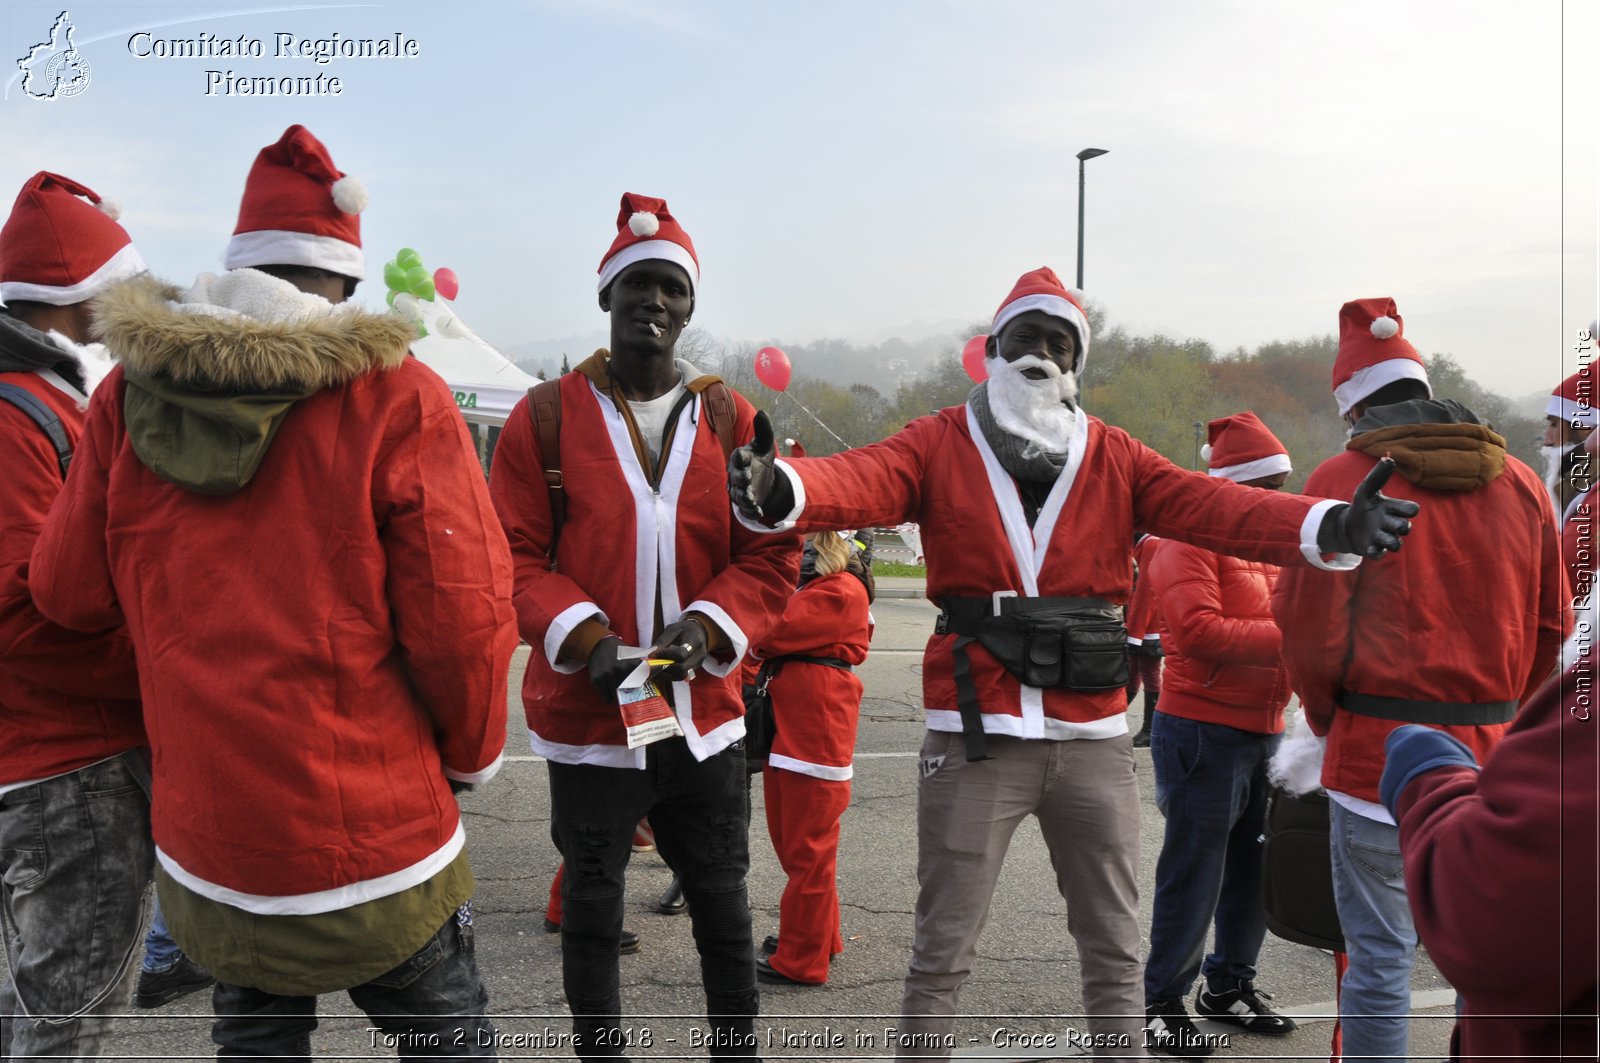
1033, 410
1553, 457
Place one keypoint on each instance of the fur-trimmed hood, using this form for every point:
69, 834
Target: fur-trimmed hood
158, 331
212, 373
1436, 443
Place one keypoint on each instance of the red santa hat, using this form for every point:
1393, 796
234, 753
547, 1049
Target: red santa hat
1373, 351
299, 209
61, 249
1242, 448
646, 229
1041, 289
1574, 399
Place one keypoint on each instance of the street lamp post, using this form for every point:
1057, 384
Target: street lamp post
1083, 156
1199, 441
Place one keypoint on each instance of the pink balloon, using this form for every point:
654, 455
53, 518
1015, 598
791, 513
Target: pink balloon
972, 358
446, 283
773, 368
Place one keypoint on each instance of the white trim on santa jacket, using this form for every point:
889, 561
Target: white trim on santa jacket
316, 903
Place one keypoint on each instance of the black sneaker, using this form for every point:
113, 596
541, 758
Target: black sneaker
1168, 1030
1245, 1006
157, 989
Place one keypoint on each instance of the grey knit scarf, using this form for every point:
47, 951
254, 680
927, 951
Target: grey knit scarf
1020, 458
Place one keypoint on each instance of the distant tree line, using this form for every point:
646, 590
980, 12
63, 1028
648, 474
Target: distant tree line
1156, 387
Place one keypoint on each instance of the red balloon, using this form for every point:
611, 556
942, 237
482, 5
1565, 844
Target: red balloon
445, 282
773, 368
972, 358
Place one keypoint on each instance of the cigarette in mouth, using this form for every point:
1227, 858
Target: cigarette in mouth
654, 331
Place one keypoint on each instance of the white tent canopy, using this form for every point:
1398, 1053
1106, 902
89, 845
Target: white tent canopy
485, 382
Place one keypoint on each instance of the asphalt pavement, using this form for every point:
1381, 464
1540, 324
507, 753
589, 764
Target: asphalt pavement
1023, 1001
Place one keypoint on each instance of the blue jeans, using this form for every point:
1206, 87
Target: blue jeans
432, 1005
1369, 887
701, 816
161, 953
1211, 785
75, 858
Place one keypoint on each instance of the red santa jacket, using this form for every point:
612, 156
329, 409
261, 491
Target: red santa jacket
940, 472
320, 648
1224, 652
627, 543
1472, 610
818, 706
1144, 620
67, 699
1500, 870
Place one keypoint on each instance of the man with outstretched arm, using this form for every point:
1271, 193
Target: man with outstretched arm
1027, 506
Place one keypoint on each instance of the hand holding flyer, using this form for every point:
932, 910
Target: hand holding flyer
645, 713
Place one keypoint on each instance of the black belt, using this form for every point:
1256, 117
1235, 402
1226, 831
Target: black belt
1410, 710
992, 621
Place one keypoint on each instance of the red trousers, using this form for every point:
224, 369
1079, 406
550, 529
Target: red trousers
803, 819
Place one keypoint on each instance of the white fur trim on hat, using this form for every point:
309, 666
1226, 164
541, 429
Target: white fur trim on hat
1053, 305
279, 247
350, 195
124, 264
667, 250
643, 223
1271, 465
1577, 414
1364, 382
1385, 327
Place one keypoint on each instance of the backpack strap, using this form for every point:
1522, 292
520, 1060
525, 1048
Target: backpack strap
44, 417
544, 408
720, 412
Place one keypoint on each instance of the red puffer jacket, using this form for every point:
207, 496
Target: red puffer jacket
1224, 651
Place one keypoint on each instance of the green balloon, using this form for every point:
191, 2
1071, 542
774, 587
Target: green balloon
394, 275
408, 257
390, 297
424, 290
416, 276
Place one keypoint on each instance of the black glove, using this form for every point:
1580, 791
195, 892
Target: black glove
1372, 524
458, 787
684, 642
754, 483
606, 672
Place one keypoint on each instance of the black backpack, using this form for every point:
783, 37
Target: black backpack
44, 417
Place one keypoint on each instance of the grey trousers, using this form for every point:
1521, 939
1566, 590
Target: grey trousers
1087, 802
75, 854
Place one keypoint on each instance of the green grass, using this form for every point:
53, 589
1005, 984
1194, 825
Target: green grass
895, 568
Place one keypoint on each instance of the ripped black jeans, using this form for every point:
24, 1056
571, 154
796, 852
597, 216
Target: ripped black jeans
700, 813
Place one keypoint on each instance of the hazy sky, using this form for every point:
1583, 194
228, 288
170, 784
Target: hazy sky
852, 168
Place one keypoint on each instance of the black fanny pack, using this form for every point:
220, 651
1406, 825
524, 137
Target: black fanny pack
1055, 643
1052, 643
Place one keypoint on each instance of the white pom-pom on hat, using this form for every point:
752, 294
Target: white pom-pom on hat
110, 208
1205, 452
350, 195
644, 223
1385, 327
1076, 293
788, 442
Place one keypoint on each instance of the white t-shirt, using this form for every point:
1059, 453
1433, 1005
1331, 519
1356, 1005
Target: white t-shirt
651, 417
